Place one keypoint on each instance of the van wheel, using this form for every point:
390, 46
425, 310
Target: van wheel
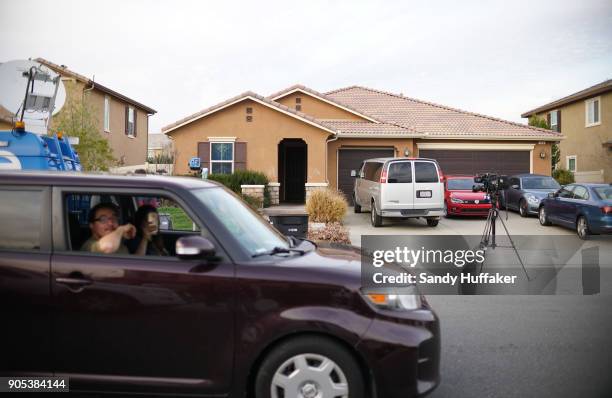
432, 222
309, 367
356, 207
374, 217
582, 228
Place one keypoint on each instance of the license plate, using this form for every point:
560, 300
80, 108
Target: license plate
423, 194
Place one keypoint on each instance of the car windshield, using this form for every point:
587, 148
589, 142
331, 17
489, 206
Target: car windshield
540, 183
461, 184
604, 193
254, 234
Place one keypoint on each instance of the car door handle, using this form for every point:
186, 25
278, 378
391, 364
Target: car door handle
75, 285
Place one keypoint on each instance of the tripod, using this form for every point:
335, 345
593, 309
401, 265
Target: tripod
488, 235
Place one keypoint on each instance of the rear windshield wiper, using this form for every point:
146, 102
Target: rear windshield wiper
278, 250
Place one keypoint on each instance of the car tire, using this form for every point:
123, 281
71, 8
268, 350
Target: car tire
432, 222
446, 210
582, 228
293, 369
543, 216
374, 217
356, 207
523, 210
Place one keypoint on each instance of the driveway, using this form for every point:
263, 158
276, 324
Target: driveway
359, 224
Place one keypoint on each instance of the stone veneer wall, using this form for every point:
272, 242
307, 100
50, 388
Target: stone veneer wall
274, 188
256, 191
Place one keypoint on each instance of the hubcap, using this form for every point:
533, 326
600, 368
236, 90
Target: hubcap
373, 212
309, 376
523, 208
582, 228
542, 216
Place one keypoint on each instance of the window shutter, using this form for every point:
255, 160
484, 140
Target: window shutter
204, 154
548, 119
135, 118
240, 155
127, 110
559, 121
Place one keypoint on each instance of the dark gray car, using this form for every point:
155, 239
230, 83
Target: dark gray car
525, 192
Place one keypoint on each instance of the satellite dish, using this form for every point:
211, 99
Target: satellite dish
14, 83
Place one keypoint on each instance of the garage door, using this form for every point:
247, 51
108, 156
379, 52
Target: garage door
476, 162
350, 159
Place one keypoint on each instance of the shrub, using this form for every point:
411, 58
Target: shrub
325, 205
252, 201
243, 177
332, 232
563, 176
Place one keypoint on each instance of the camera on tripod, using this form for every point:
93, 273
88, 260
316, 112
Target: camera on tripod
490, 183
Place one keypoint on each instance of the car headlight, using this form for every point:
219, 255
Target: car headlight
405, 301
532, 199
456, 200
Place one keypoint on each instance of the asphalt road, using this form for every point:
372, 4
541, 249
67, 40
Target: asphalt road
516, 346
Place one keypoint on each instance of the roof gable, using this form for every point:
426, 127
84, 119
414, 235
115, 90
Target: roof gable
321, 97
249, 95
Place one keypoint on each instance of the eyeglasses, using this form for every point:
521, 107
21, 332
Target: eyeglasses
106, 219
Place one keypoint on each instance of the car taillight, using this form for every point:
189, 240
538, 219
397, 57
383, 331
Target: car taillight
606, 210
383, 176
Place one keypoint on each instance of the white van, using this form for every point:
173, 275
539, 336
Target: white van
399, 187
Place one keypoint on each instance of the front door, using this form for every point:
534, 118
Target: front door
292, 170
129, 323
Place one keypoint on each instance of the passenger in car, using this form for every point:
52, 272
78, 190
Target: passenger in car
148, 241
106, 233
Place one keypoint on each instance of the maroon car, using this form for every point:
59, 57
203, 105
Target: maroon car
461, 200
235, 308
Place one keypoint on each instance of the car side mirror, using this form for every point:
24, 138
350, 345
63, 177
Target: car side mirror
193, 247
353, 173
515, 186
361, 174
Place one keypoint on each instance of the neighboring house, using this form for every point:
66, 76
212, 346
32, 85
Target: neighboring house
159, 144
6, 120
302, 139
585, 120
122, 121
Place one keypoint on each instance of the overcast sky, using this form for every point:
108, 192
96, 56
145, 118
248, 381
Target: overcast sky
499, 58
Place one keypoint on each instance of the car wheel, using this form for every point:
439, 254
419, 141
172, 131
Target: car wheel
432, 222
446, 210
543, 217
582, 228
523, 211
309, 367
374, 217
356, 207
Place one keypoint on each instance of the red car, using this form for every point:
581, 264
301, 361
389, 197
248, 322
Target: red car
460, 200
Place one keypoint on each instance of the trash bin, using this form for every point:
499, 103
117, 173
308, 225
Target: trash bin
291, 224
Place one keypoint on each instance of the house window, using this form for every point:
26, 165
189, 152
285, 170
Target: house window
130, 121
571, 163
221, 157
592, 112
554, 120
107, 114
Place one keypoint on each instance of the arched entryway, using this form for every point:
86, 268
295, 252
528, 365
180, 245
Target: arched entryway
292, 166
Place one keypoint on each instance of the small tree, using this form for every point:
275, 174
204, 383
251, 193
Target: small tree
78, 120
555, 153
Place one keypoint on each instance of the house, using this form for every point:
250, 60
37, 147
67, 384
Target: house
585, 119
303, 139
123, 121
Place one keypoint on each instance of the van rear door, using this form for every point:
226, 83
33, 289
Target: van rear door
428, 189
398, 192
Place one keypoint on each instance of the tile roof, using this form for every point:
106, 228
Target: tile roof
356, 128
62, 69
582, 94
435, 121
243, 96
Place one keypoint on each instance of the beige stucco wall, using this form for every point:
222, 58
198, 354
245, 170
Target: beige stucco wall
399, 144
133, 151
317, 108
5, 125
586, 142
262, 136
